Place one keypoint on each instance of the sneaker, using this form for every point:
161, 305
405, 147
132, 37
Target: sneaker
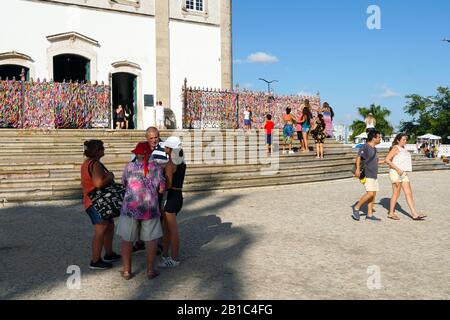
291, 152
100, 265
168, 262
112, 258
356, 214
373, 218
284, 152
138, 247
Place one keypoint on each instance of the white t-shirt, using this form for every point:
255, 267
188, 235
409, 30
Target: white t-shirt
160, 113
403, 160
246, 115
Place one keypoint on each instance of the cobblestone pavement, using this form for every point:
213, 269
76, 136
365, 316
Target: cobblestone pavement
296, 242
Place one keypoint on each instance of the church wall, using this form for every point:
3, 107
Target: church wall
120, 37
195, 52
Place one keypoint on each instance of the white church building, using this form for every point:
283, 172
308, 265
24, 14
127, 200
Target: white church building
143, 48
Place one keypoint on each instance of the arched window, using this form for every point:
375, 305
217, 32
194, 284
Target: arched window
72, 56
14, 64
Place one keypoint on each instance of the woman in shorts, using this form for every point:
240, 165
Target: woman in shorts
288, 130
95, 176
175, 172
400, 162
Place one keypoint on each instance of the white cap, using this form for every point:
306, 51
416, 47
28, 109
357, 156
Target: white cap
172, 143
177, 156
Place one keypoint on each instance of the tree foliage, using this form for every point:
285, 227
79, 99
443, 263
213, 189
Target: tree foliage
430, 115
380, 114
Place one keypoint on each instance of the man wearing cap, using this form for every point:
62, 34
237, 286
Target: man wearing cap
175, 172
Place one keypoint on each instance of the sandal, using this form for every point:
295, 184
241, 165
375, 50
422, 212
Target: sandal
126, 275
394, 217
152, 274
420, 218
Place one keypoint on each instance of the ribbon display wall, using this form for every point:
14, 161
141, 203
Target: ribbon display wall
51, 105
205, 108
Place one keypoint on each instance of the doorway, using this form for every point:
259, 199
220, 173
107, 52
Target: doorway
124, 93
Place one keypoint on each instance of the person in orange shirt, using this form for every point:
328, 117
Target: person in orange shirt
94, 175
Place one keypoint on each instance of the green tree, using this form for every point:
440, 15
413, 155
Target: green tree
430, 115
380, 115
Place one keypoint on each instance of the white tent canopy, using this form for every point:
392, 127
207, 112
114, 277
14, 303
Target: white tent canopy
363, 136
430, 137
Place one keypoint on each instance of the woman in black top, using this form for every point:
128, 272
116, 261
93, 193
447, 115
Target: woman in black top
175, 172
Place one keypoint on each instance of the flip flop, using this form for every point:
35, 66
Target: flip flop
421, 218
395, 218
152, 275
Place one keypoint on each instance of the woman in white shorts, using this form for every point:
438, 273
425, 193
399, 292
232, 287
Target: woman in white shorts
400, 161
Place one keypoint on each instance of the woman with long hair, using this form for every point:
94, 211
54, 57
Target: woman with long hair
400, 161
288, 130
326, 111
319, 135
306, 125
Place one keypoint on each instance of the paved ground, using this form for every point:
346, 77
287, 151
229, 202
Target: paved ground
294, 242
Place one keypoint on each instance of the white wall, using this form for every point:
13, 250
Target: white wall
195, 52
121, 37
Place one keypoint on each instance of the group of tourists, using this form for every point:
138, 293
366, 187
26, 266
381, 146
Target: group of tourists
153, 182
366, 170
428, 150
304, 124
124, 117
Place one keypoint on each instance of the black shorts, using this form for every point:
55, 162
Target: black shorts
174, 202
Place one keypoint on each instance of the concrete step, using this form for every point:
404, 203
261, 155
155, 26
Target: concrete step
235, 179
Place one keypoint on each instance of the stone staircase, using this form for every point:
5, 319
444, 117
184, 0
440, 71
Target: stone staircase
45, 165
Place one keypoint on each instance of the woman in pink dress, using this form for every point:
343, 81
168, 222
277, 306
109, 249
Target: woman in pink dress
326, 111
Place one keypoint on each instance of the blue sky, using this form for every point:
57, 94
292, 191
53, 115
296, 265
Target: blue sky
325, 46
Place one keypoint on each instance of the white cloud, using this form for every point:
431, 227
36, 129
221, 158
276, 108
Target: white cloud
389, 93
248, 85
258, 57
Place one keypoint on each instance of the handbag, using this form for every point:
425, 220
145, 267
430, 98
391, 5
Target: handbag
362, 168
107, 201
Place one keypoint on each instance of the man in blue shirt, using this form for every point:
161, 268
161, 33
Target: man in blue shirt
368, 157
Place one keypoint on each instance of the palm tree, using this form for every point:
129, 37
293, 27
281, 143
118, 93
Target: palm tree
380, 115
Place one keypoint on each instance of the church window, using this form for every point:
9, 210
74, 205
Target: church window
196, 5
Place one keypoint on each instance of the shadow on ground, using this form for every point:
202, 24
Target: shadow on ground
386, 204
38, 243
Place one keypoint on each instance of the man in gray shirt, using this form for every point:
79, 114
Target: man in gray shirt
368, 156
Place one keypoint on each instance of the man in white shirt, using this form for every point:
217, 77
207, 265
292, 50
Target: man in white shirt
160, 117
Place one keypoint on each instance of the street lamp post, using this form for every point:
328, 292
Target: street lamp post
446, 40
268, 83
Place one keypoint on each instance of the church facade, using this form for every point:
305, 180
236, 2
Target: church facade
143, 48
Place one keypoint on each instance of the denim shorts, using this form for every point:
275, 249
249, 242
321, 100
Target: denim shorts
96, 218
